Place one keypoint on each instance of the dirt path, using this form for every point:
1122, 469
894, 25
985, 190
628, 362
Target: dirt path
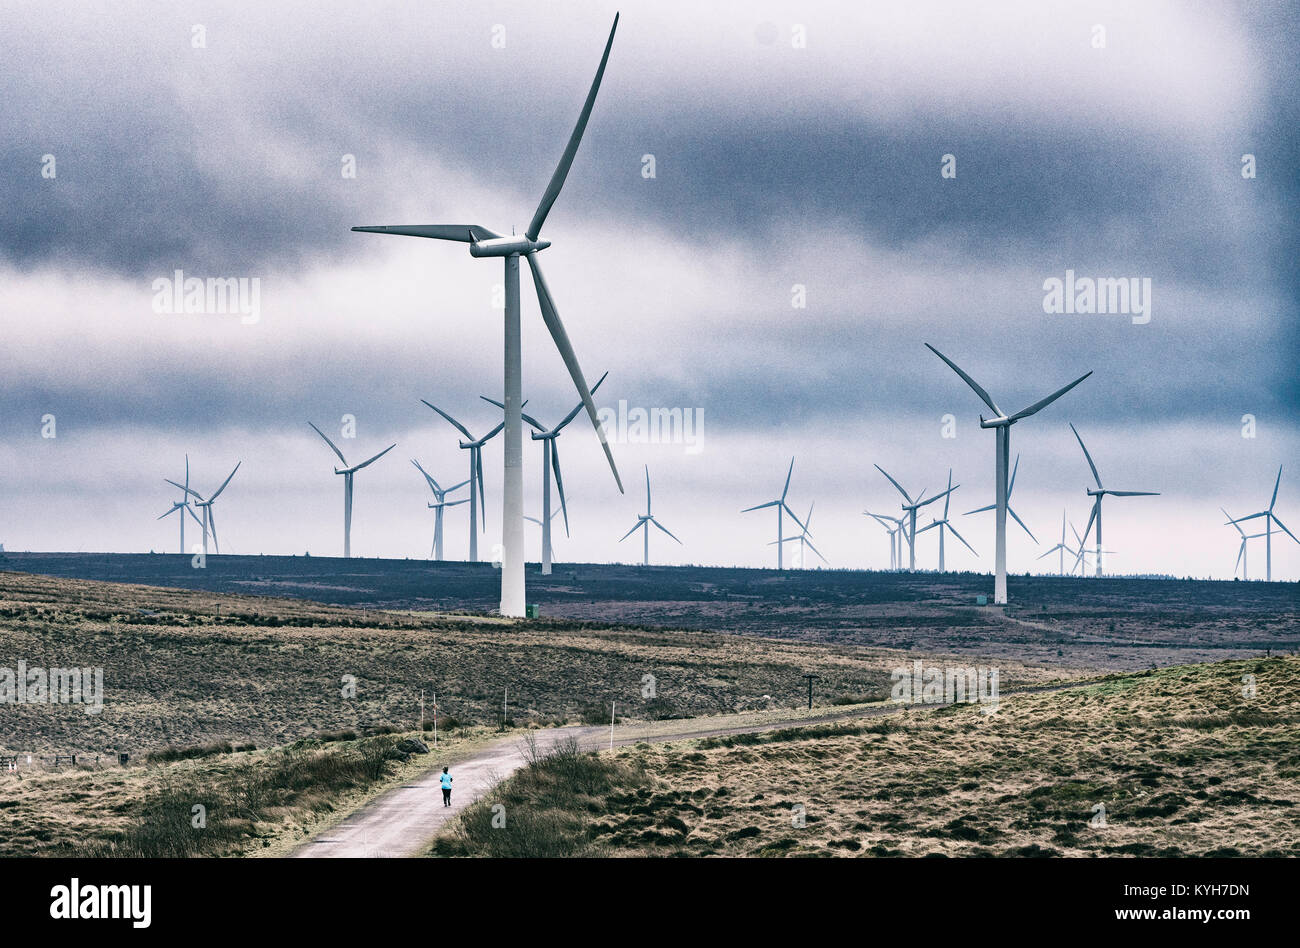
404, 821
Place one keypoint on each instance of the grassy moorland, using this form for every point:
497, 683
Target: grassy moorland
1183, 760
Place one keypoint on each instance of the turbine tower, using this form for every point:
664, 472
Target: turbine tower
440, 503
1001, 423
547, 553
1269, 520
944, 524
643, 523
805, 540
550, 461
485, 243
910, 507
1060, 547
1101, 492
782, 508
183, 504
348, 473
209, 517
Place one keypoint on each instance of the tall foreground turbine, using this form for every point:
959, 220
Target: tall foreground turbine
782, 508
1001, 423
347, 473
209, 514
910, 507
484, 243
439, 505
1269, 520
550, 461
183, 505
1099, 493
643, 523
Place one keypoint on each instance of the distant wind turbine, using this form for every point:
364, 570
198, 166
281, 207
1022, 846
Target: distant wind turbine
440, 503
1101, 492
1242, 559
1082, 552
782, 508
475, 448
805, 540
944, 524
1060, 547
550, 461
895, 535
1269, 519
183, 504
1001, 423
209, 515
910, 507
643, 523
485, 243
348, 473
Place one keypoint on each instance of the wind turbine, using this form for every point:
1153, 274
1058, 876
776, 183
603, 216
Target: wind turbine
782, 508
475, 448
550, 461
1061, 547
1081, 553
183, 504
485, 243
805, 540
895, 535
1242, 560
1101, 492
209, 517
909, 509
1269, 520
440, 503
347, 473
1001, 424
644, 521
944, 524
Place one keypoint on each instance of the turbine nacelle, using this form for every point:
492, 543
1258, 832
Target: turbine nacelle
505, 246
1002, 421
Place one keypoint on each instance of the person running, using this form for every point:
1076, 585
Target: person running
445, 779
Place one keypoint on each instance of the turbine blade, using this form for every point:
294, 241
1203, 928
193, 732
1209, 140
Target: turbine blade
975, 386
1012, 484
1284, 529
647, 490
1022, 523
1091, 517
375, 458
570, 150
666, 530
788, 475
922, 503
212, 525
795, 517
817, 551
895, 483
184, 488
770, 503
524, 415
168, 513
482, 496
979, 510
1133, 493
559, 482
333, 447
1241, 551
1232, 523
561, 338
433, 485
459, 427
578, 407
962, 538
223, 484
1095, 476
630, 532
1276, 484
930, 526
1044, 402
461, 232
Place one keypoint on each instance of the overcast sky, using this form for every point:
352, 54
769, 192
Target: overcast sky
793, 145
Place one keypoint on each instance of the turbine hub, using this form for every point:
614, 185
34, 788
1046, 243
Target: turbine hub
506, 246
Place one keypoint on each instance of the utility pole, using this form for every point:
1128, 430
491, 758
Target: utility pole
612, 706
811, 678
421, 712
435, 720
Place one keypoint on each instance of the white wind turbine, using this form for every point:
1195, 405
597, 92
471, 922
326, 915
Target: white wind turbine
477, 501
440, 503
348, 473
183, 505
1269, 519
944, 524
643, 523
1081, 553
1242, 560
1001, 424
805, 540
209, 515
485, 243
1011, 486
1099, 493
895, 535
1060, 548
910, 507
782, 508
550, 461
